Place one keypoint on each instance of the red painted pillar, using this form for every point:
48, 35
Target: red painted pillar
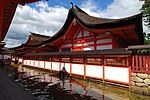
51, 63
59, 63
70, 66
103, 63
1, 17
129, 70
84, 61
44, 65
95, 40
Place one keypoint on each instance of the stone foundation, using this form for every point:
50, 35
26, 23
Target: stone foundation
140, 83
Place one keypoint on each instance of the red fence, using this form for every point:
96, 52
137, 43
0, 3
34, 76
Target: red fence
141, 63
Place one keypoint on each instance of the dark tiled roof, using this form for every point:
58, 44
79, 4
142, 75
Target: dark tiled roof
90, 19
91, 22
98, 53
35, 39
95, 21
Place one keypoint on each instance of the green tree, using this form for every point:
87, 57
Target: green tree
146, 12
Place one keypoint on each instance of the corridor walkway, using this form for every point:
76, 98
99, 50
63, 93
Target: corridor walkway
9, 90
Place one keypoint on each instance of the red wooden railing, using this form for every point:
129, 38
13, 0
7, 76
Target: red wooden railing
140, 63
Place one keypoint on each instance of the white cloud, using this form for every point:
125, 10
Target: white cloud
42, 19
117, 9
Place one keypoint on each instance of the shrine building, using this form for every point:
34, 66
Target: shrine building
89, 47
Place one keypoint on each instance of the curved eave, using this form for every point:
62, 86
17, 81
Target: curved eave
136, 19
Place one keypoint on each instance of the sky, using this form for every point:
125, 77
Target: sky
47, 17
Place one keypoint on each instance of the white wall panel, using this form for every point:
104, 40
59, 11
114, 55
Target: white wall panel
55, 66
88, 48
104, 47
24, 62
28, 62
32, 63
20, 59
117, 74
41, 64
13, 59
78, 69
94, 71
36, 63
48, 65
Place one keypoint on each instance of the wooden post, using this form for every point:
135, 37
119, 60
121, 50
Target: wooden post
84, 68
44, 65
59, 63
38, 63
34, 63
129, 70
1, 17
51, 64
95, 40
70, 66
103, 60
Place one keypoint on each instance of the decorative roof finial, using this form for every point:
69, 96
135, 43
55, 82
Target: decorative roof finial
71, 4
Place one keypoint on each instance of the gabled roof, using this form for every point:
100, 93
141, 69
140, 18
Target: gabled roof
33, 41
91, 22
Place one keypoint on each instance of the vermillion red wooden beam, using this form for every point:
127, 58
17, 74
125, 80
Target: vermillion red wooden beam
23, 2
2, 4
1, 17
12, 12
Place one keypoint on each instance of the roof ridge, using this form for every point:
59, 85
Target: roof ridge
39, 35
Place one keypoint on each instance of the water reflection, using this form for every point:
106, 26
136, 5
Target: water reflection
47, 87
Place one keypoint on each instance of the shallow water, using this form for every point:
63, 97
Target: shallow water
47, 87
55, 89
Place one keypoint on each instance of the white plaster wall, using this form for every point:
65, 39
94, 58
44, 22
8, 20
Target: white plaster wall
13, 59
20, 59
24, 62
47, 65
67, 66
117, 74
28, 62
104, 47
78, 69
94, 71
55, 66
88, 48
41, 64
36, 63
32, 63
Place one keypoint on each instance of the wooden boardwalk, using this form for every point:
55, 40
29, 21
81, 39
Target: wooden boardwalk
9, 90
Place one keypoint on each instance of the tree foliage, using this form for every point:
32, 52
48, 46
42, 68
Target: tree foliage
146, 12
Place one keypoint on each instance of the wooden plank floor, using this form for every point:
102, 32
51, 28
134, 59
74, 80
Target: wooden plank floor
12, 91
